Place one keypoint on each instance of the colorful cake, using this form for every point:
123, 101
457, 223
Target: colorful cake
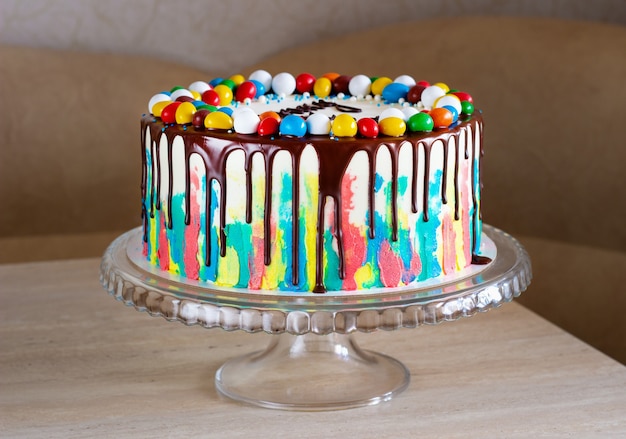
312, 184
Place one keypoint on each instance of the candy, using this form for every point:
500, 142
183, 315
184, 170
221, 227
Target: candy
467, 107
245, 90
184, 99
260, 88
341, 84
157, 108
420, 122
331, 76
379, 84
451, 109
408, 112
367, 127
225, 93
463, 96
318, 124
442, 86
237, 79
406, 80
415, 93
199, 86
390, 112
423, 83
226, 110
218, 120
181, 92
344, 125
292, 125
284, 83
245, 120
360, 85
322, 87
268, 126
196, 95
198, 118
184, 113
159, 97
395, 91
229, 83
270, 114
430, 95
215, 81
442, 117
263, 77
392, 126
168, 115
211, 97
305, 83
448, 100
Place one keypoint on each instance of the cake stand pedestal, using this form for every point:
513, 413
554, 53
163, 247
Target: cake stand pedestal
313, 362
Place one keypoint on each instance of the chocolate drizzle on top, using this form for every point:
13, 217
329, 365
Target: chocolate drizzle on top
334, 155
306, 109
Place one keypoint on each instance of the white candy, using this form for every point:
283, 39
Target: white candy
284, 83
318, 124
451, 100
181, 92
263, 77
159, 97
199, 86
245, 120
406, 80
391, 112
431, 94
360, 85
408, 112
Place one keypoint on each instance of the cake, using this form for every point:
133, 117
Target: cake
312, 184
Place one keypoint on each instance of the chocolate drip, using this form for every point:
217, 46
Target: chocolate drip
334, 155
306, 109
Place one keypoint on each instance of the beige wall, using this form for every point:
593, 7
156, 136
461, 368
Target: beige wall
226, 36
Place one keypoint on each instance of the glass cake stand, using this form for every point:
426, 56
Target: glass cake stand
313, 362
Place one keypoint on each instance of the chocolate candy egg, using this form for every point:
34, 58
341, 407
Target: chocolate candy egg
292, 125
184, 113
415, 93
360, 85
367, 127
406, 80
390, 112
420, 122
159, 97
211, 97
284, 84
157, 108
181, 92
245, 90
199, 86
392, 126
467, 107
322, 87
341, 83
344, 125
245, 120
442, 117
304, 83
218, 121
263, 77
448, 100
225, 93
395, 91
379, 85
268, 126
430, 95
168, 115
198, 118
318, 124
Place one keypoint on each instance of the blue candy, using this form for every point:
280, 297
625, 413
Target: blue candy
394, 92
451, 109
260, 88
292, 125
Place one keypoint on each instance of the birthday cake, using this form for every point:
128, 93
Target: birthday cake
312, 184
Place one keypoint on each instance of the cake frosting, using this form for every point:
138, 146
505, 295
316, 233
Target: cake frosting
312, 184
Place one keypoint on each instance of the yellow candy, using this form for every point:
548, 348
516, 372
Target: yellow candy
184, 113
196, 95
158, 108
392, 126
344, 125
379, 85
225, 94
237, 79
322, 87
218, 120
443, 86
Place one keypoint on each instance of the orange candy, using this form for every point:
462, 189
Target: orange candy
442, 117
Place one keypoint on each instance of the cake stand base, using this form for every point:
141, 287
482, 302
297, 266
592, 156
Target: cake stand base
312, 372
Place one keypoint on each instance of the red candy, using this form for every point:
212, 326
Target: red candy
211, 97
415, 93
268, 126
463, 96
423, 83
198, 118
367, 127
305, 83
246, 90
168, 115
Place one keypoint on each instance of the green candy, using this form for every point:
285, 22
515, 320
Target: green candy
467, 107
229, 83
420, 122
178, 87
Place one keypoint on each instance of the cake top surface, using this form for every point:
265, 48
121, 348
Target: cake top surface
332, 105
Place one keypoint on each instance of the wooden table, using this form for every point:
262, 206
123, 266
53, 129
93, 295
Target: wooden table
76, 363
